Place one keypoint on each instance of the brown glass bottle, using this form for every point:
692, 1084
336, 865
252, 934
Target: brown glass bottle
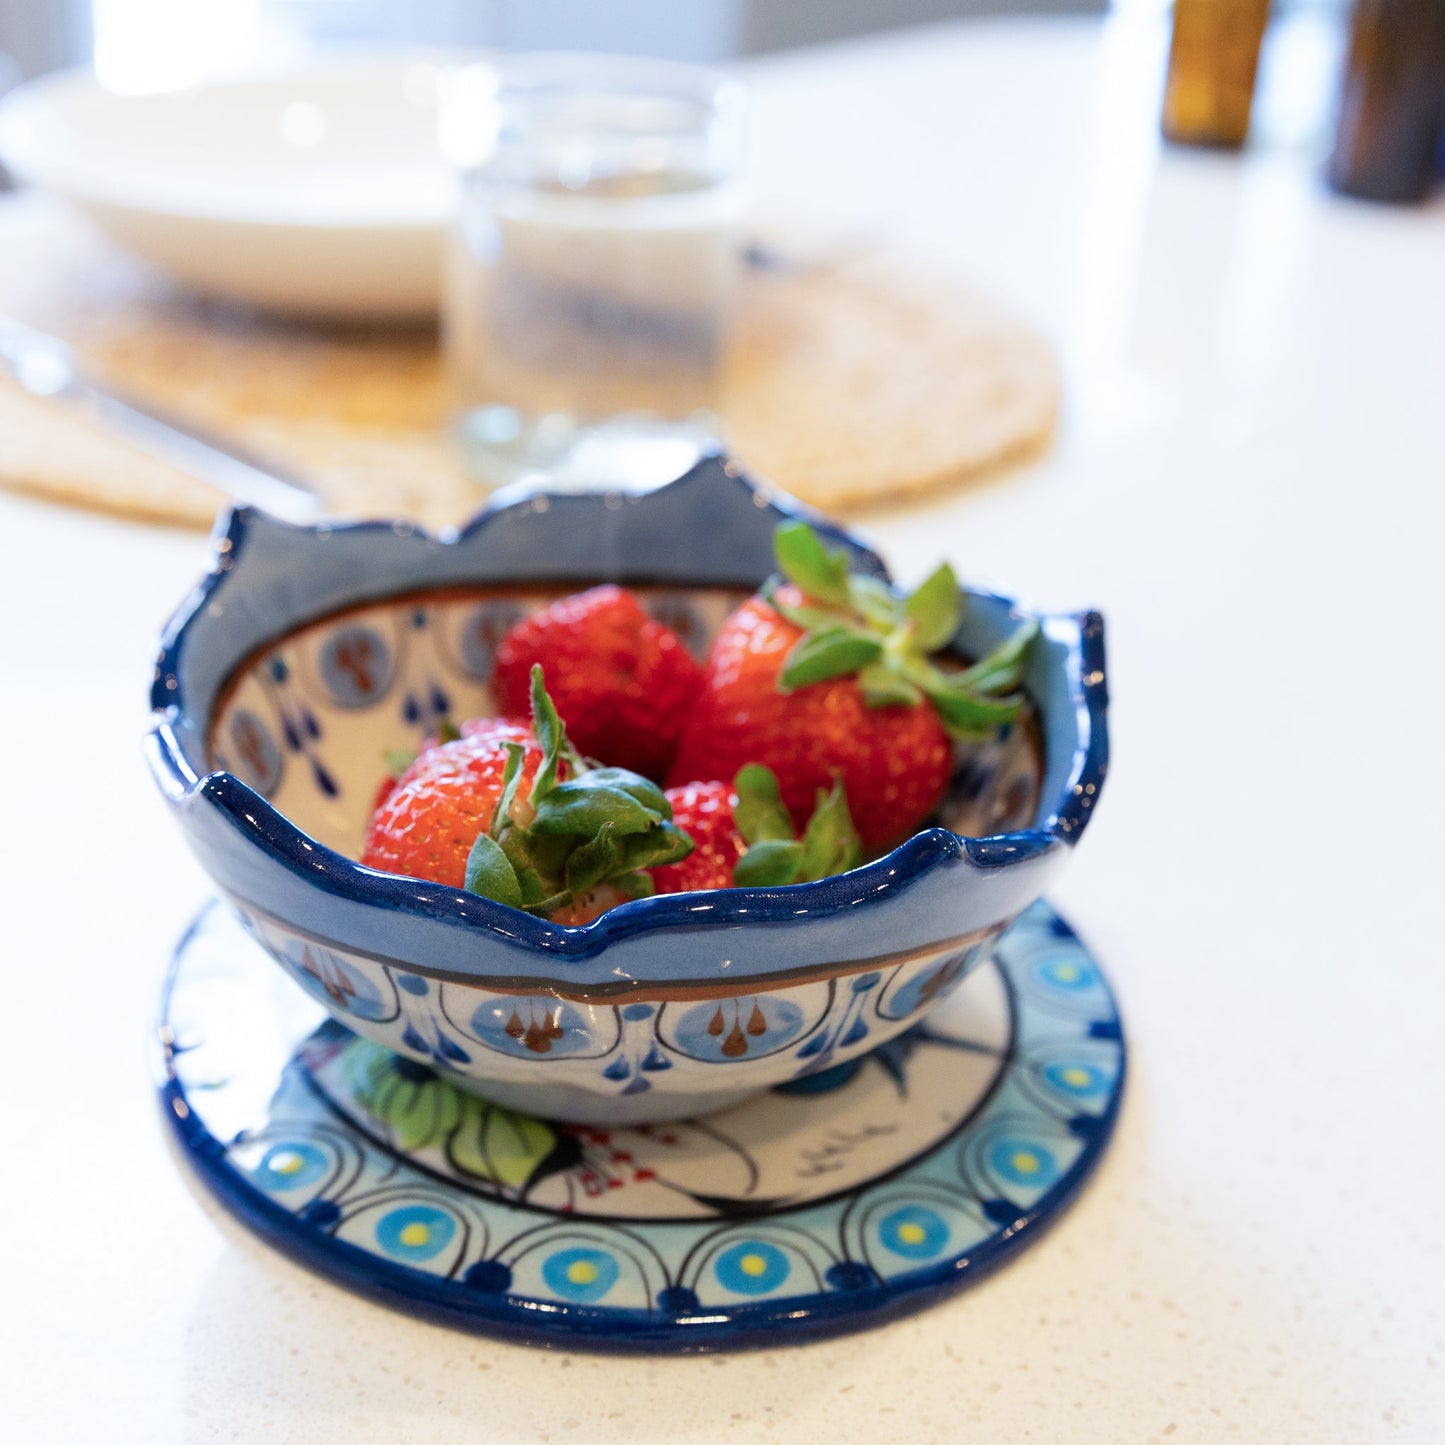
1212, 60
1392, 105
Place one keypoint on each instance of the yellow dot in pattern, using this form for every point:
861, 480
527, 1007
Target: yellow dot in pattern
912, 1233
1067, 973
287, 1162
1077, 1078
753, 1264
1025, 1162
415, 1234
582, 1271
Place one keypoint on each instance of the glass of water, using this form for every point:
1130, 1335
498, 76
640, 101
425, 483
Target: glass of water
592, 263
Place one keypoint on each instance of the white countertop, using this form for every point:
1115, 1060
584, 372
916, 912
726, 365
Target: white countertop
1248, 483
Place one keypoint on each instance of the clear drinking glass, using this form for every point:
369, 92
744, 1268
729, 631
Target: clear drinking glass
592, 263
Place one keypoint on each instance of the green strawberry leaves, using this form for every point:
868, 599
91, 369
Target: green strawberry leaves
828, 652
760, 815
598, 827
490, 873
803, 615
511, 777
769, 864
969, 702
1001, 669
935, 609
856, 625
875, 600
830, 842
804, 561
666, 843
580, 810
644, 790
775, 857
967, 716
883, 687
547, 725
525, 868
595, 860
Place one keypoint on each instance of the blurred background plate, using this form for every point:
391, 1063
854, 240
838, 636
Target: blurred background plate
317, 191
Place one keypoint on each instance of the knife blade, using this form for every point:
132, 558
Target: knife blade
47, 367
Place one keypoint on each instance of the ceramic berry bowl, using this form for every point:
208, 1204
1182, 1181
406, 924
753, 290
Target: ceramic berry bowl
307, 652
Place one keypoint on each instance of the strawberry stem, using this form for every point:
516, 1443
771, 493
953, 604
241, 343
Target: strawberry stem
583, 829
856, 625
775, 856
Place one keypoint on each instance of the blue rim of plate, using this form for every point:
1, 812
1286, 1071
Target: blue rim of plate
856, 1294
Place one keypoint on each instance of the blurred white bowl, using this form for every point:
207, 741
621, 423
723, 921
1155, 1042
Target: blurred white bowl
317, 192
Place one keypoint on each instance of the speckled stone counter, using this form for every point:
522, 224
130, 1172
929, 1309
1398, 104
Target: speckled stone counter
1246, 482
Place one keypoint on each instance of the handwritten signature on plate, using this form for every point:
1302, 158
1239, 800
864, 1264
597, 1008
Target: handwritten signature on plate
837, 1144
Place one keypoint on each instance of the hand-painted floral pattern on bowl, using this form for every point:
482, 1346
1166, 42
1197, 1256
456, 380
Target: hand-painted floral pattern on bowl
605, 1057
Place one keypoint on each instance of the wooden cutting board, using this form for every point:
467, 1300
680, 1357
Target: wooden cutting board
849, 381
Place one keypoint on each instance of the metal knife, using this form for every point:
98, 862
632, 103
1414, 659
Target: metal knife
47, 367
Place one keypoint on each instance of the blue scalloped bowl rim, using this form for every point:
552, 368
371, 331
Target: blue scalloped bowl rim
242, 530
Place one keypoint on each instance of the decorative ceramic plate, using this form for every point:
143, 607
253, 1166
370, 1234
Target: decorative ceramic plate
828, 1204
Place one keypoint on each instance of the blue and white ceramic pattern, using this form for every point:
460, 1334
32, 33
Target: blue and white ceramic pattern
307, 653
831, 1203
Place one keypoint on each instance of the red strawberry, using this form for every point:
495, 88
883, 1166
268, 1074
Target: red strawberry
894, 762
524, 821
428, 823
623, 683
744, 837
480, 735
831, 680
704, 811
443, 754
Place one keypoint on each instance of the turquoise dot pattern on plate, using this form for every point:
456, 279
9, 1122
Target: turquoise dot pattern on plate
1022, 1162
583, 1275
915, 1232
416, 1233
752, 1267
289, 1166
